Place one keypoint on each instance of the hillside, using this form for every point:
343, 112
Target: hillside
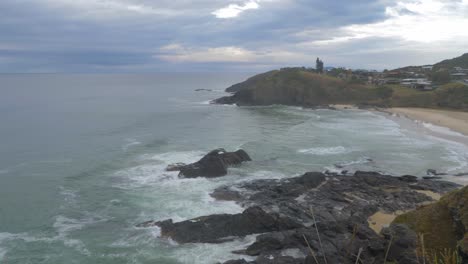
301, 87
297, 86
461, 61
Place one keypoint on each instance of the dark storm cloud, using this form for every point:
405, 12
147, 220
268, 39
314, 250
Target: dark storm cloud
145, 35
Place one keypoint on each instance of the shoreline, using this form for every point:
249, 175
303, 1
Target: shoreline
455, 122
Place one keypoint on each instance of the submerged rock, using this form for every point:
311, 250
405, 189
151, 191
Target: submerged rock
214, 164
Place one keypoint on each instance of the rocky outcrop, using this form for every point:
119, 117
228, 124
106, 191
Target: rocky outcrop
298, 87
218, 228
339, 208
325, 214
214, 164
303, 87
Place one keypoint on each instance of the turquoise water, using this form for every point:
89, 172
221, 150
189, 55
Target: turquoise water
83, 157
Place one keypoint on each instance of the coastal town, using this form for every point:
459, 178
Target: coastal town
423, 78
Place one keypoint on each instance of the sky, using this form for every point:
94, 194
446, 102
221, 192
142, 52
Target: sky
46, 36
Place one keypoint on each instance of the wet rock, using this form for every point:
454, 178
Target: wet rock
214, 164
219, 228
404, 241
330, 211
338, 207
238, 261
175, 166
201, 90
409, 178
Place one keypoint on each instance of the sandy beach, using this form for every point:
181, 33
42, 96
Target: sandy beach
454, 120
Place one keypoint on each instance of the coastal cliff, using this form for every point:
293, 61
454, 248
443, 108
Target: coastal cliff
303, 87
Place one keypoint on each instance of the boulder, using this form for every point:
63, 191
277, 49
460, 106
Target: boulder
214, 164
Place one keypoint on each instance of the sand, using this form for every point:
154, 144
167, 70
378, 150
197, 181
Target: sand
381, 219
454, 120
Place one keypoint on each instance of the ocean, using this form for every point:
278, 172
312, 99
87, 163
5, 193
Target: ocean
83, 157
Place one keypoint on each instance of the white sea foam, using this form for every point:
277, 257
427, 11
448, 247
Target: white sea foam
362, 160
458, 158
69, 196
325, 151
442, 130
208, 102
130, 142
293, 252
153, 171
213, 253
64, 226
7, 237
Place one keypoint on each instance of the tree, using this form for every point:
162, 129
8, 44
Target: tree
319, 65
442, 76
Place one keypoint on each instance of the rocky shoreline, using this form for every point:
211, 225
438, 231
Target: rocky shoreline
316, 218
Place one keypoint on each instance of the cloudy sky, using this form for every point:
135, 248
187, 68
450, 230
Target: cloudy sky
227, 35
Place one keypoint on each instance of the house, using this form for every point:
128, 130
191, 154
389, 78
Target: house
458, 76
417, 83
427, 67
423, 86
411, 81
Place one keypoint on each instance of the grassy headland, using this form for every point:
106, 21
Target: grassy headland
303, 87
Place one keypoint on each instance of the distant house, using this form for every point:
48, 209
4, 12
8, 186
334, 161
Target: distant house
458, 76
423, 86
418, 83
427, 67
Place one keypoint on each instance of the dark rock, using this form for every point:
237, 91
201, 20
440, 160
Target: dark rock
218, 228
431, 178
310, 179
335, 206
214, 164
340, 204
206, 90
404, 241
263, 244
409, 178
239, 261
226, 194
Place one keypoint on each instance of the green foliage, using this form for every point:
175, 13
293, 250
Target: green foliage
444, 226
461, 61
384, 92
441, 77
299, 86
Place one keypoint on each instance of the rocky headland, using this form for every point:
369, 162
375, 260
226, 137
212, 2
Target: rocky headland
306, 88
330, 218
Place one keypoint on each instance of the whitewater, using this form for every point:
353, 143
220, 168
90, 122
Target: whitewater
83, 160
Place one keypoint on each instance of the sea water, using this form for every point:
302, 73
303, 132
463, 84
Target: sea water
83, 157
